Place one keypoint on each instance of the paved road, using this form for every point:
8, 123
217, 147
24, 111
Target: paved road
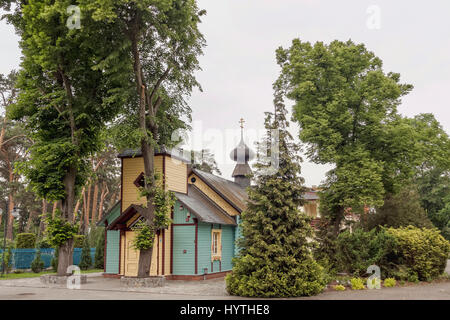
110, 289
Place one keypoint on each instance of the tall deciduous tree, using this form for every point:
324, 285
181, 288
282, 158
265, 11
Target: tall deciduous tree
275, 258
164, 44
70, 85
346, 106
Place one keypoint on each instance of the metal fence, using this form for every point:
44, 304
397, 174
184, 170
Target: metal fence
22, 258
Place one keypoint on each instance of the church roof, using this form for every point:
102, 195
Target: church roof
131, 153
232, 192
203, 207
242, 153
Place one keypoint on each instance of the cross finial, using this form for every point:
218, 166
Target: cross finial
242, 127
242, 123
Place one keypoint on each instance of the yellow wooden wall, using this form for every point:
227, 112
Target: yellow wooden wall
213, 195
175, 177
175, 180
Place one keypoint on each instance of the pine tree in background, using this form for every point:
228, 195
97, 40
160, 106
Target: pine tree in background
86, 260
100, 252
275, 259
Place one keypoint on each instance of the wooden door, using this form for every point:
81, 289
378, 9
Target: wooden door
131, 255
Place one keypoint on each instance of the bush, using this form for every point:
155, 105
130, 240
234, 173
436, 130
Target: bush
100, 252
357, 284
358, 250
44, 244
424, 252
339, 287
389, 282
78, 240
25, 241
37, 265
86, 260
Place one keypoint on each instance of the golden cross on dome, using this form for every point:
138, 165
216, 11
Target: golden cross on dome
242, 123
242, 127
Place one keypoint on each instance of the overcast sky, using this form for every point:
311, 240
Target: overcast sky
411, 37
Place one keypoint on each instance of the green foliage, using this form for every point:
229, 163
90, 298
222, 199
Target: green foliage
144, 236
7, 256
204, 160
389, 282
86, 260
162, 200
44, 244
25, 240
357, 250
100, 252
78, 240
37, 265
339, 287
423, 251
275, 257
357, 284
400, 210
346, 106
59, 231
434, 190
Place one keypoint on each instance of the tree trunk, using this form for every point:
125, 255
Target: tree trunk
9, 232
88, 207
44, 212
103, 195
65, 254
65, 257
55, 206
94, 204
77, 207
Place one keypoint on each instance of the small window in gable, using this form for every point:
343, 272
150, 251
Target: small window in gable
139, 182
216, 244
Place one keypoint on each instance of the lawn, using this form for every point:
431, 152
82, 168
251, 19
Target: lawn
13, 275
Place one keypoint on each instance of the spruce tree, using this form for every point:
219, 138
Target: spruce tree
100, 252
275, 257
37, 265
86, 260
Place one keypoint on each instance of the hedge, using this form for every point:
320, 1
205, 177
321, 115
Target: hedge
423, 251
25, 241
404, 253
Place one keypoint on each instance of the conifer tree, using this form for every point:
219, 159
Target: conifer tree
275, 255
100, 252
86, 260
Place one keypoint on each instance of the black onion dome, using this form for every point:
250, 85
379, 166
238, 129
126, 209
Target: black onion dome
242, 154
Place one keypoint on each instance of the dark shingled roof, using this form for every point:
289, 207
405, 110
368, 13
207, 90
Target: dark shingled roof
203, 207
131, 153
229, 190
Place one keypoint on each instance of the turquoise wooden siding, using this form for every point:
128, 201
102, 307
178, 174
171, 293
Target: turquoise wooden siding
112, 241
237, 235
184, 250
112, 251
204, 247
227, 247
180, 215
184, 239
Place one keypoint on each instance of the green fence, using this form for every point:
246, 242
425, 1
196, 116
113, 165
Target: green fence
22, 258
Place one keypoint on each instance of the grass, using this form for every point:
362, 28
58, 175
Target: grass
21, 275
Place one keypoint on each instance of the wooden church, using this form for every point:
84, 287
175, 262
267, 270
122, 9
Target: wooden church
200, 241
